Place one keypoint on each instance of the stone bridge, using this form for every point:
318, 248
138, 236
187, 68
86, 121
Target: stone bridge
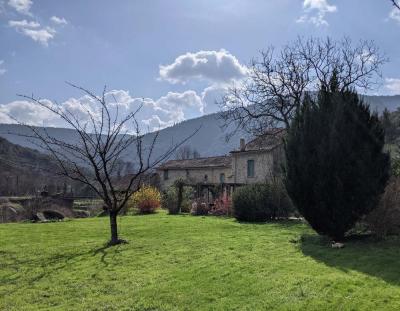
47, 208
38, 208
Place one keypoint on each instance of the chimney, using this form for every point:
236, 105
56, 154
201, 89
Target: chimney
242, 144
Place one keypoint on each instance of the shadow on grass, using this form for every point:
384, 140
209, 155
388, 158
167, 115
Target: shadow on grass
41, 267
105, 250
286, 223
363, 254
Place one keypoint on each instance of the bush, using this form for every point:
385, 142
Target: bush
222, 206
336, 167
147, 200
200, 208
385, 219
261, 202
170, 200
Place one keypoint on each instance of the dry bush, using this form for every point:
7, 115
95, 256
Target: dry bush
385, 219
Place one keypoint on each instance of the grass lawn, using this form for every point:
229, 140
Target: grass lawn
192, 263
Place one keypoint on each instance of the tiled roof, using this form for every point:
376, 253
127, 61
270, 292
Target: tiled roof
268, 141
222, 161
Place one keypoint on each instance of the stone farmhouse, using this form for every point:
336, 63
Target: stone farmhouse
257, 161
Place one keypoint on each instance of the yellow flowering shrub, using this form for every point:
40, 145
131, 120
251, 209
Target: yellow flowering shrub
146, 200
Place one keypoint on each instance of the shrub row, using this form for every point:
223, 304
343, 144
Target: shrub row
261, 202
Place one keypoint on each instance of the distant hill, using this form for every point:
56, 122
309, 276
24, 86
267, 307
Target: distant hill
25, 171
379, 103
210, 140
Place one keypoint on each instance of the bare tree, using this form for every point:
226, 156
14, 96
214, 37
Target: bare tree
186, 152
278, 80
94, 161
396, 4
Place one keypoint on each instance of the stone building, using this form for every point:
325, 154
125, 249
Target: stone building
254, 162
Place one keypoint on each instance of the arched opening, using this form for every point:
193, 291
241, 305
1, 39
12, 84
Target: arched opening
53, 215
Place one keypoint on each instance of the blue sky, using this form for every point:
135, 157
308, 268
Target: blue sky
139, 49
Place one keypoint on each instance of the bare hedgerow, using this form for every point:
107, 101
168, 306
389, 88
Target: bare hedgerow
385, 219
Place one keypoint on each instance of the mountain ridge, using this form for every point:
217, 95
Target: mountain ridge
210, 140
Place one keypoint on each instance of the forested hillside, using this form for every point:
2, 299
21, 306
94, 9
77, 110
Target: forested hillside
24, 171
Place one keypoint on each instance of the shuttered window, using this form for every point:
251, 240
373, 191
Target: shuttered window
250, 168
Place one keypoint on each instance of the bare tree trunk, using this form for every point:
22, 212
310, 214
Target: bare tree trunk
114, 228
95, 160
180, 197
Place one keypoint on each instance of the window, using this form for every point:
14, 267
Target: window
250, 168
187, 173
205, 177
165, 174
222, 178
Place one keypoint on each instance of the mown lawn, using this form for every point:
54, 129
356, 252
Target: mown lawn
192, 263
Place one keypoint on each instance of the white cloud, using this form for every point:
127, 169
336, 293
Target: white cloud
154, 123
23, 24
393, 86
21, 6
395, 14
179, 100
27, 112
213, 66
2, 70
165, 111
40, 35
172, 108
211, 96
315, 11
59, 20
33, 30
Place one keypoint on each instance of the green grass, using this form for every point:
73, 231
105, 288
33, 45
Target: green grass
192, 263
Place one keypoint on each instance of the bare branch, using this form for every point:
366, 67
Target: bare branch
396, 4
278, 80
103, 138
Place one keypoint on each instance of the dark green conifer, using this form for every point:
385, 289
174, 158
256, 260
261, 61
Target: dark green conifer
336, 168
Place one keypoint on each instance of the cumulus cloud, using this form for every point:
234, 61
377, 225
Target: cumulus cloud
27, 112
212, 66
2, 70
173, 108
395, 14
59, 20
33, 30
392, 85
21, 6
154, 114
315, 11
211, 96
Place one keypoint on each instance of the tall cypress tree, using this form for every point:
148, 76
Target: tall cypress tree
336, 168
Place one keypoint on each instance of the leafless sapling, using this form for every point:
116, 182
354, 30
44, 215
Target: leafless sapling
94, 160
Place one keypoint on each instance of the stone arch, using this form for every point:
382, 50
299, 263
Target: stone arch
52, 215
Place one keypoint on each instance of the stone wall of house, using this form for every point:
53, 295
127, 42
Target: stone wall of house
267, 164
195, 176
263, 166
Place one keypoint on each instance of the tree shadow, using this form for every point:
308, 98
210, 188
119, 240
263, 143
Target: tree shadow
283, 222
43, 267
105, 250
361, 253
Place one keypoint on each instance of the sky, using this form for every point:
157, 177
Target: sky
173, 57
